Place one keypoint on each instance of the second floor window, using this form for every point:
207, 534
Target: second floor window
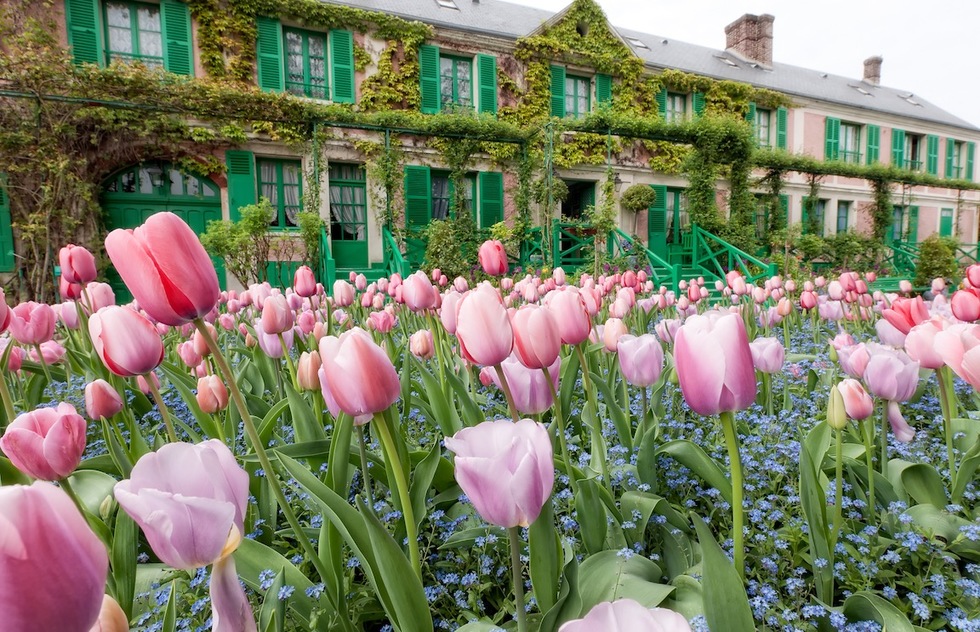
134, 32
763, 119
281, 184
455, 82
306, 63
850, 143
913, 158
577, 96
676, 107
956, 168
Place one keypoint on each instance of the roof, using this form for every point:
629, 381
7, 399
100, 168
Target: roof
506, 19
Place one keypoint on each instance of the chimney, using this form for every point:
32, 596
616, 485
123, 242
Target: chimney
872, 70
750, 36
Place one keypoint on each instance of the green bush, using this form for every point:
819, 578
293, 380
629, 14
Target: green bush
638, 197
452, 245
245, 245
936, 259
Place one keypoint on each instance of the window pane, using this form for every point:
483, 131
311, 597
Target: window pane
151, 45
446, 80
118, 15
176, 182
148, 19
120, 40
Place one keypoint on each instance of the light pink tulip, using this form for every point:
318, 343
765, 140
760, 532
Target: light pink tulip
418, 292
714, 363
888, 334
626, 615
570, 313
528, 387
966, 305
47, 443
483, 327
641, 359
381, 321
537, 339
767, 354
890, 374
356, 375
506, 469
920, 343
308, 369
111, 617
857, 403
212, 394
101, 400
32, 323
52, 566
276, 315
304, 283
271, 345
421, 345
128, 344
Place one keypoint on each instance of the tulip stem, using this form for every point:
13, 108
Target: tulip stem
867, 433
731, 440
44, 365
8, 402
945, 401
885, 427
559, 423
838, 488
514, 534
364, 466
585, 368
263, 456
289, 362
507, 393
401, 484
164, 411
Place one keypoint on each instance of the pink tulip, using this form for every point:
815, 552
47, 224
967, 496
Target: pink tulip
959, 346
857, 403
304, 283
447, 312
714, 363
101, 400
888, 334
570, 313
418, 292
483, 327
493, 258
381, 322
165, 267
97, 295
67, 313
666, 329
357, 377
808, 300
276, 315
32, 323
144, 386
905, 286
906, 313
212, 395
529, 388
308, 369
343, 293
767, 354
52, 567
626, 615
613, 330
127, 343
52, 352
77, 264
421, 345
641, 359
890, 374
920, 343
47, 443
537, 340
271, 344
966, 305
853, 359
558, 274
506, 469
190, 502
111, 617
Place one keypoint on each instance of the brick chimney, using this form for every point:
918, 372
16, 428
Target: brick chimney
872, 70
750, 36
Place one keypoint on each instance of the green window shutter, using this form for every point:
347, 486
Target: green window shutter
874, 143
804, 215
429, 73
898, 148
6, 232
662, 103
832, 139
750, 115
932, 155
486, 74
418, 197
946, 222
84, 31
269, 55
657, 219
914, 224
241, 181
491, 198
603, 89
178, 57
781, 125
342, 66
950, 156
558, 91
784, 205
698, 101
971, 150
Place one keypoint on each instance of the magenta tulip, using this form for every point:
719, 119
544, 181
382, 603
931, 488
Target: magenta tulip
47, 443
52, 567
767, 354
537, 340
493, 258
714, 363
357, 376
77, 264
626, 615
126, 341
483, 327
32, 323
506, 469
165, 267
641, 359
304, 283
101, 400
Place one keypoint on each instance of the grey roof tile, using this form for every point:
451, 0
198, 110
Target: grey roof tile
514, 20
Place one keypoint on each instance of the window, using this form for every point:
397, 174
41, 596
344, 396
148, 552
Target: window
763, 120
946, 222
306, 63
959, 159
280, 183
577, 96
761, 217
444, 195
843, 216
913, 144
676, 107
134, 33
678, 220
898, 223
850, 143
455, 82
956, 167
813, 216
348, 202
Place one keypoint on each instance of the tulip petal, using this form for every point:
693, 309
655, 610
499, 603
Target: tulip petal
140, 274
902, 430
231, 611
486, 487
64, 444
25, 449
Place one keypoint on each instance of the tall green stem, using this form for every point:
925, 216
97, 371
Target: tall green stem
164, 411
514, 534
510, 397
867, 433
838, 487
885, 427
364, 467
946, 396
8, 402
44, 365
738, 538
586, 379
401, 485
560, 425
289, 362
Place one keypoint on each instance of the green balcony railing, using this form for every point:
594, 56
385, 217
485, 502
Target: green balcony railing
715, 257
395, 261
661, 272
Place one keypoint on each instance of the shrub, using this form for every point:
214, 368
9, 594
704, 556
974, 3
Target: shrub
936, 259
638, 197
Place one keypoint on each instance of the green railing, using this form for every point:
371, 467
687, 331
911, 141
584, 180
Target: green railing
571, 244
395, 261
715, 257
532, 249
326, 269
967, 254
903, 259
661, 272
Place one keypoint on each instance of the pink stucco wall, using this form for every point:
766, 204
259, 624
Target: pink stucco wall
813, 134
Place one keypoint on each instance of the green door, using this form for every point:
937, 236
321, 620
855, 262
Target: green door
348, 215
946, 222
132, 195
897, 229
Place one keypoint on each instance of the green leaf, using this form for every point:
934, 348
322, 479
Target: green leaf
170, 614
273, 612
813, 498
10, 475
646, 505
688, 597
923, 483
866, 606
467, 537
591, 515
646, 460
424, 472
964, 473
610, 575
92, 487
305, 423
544, 550
726, 606
695, 459
125, 539
616, 414
444, 415
569, 603
472, 415
185, 386
480, 626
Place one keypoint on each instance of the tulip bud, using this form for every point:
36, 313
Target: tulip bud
111, 617
421, 345
101, 400
306, 370
212, 395
836, 415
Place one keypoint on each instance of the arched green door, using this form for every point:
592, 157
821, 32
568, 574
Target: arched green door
132, 195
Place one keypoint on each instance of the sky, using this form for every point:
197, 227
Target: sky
931, 49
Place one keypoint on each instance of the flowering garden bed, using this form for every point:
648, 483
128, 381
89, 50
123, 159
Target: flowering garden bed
796, 456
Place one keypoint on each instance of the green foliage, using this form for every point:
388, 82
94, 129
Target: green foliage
936, 259
638, 197
310, 225
246, 245
452, 245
